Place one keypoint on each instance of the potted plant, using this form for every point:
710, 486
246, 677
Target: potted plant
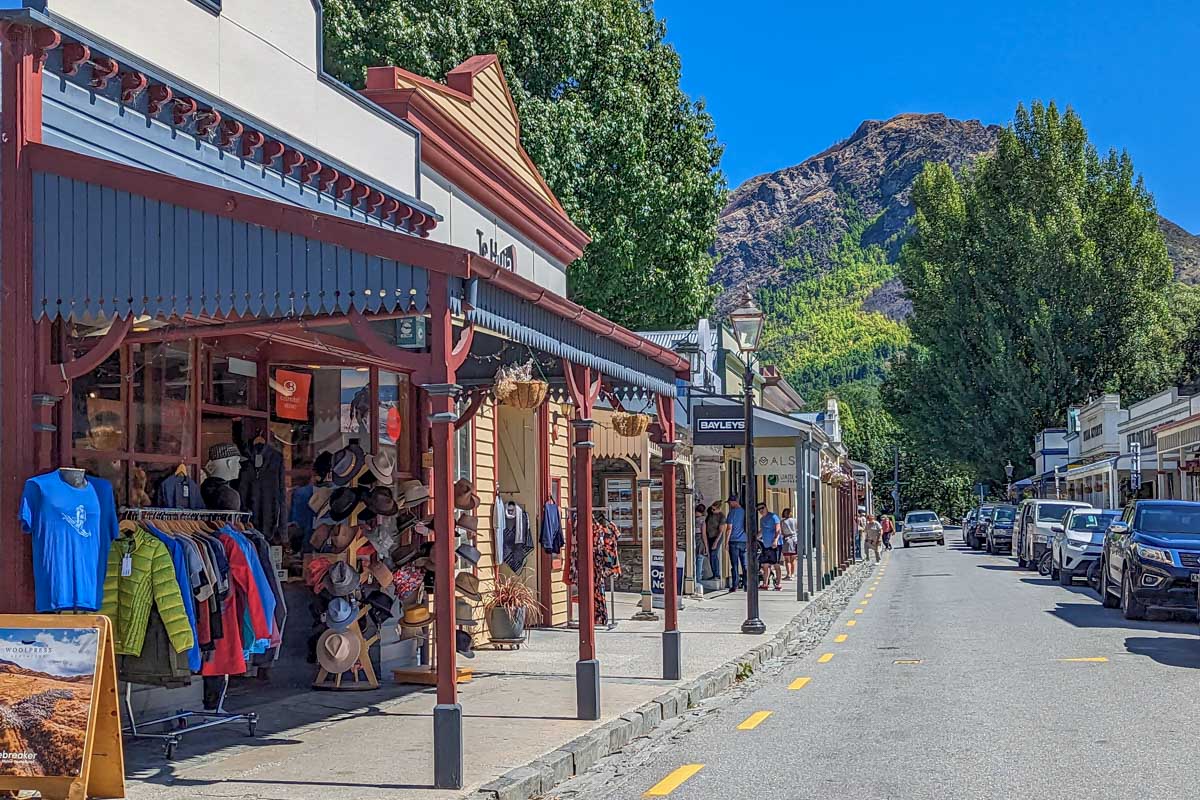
630, 425
516, 386
511, 606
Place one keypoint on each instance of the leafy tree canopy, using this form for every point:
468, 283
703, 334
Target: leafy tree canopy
633, 160
1038, 278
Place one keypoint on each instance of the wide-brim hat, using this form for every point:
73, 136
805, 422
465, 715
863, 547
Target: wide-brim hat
348, 463
381, 501
341, 613
417, 617
465, 497
464, 615
382, 466
322, 464
340, 580
469, 552
336, 652
468, 523
319, 502
462, 643
343, 502
412, 493
468, 586
381, 606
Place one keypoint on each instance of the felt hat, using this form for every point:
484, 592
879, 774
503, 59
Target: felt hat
341, 613
468, 523
469, 552
413, 493
342, 503
417, 617
340, 580
347, 464
464, 614
336, 652
381, 501
468, 586
465, 498
319, 502
380, 604
382, 466
462, 643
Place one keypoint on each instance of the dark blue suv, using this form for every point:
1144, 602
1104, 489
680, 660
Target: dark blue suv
1149, 557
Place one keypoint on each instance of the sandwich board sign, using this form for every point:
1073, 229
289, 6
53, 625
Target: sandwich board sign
60, 730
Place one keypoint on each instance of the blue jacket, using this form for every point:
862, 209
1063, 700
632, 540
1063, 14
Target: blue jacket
552, 532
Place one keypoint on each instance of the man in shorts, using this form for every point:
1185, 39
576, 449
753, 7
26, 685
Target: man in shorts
771, 547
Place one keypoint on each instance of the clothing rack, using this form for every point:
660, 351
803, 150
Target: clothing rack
180, 722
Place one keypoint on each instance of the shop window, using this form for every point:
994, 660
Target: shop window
163, 413
111, 470
464, 450
98, 408
232, 381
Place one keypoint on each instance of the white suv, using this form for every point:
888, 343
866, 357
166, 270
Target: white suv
1034, 528
922, 526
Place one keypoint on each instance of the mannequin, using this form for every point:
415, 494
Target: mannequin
226, 469
74, 477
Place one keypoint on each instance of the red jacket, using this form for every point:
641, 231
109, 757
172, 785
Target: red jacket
228, 658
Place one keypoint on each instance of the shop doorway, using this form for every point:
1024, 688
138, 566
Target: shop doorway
517, 471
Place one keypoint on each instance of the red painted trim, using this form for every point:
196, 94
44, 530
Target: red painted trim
232, 205
384, 349
468, 414
93, 358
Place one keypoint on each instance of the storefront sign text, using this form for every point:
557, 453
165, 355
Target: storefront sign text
721, 425
506, 257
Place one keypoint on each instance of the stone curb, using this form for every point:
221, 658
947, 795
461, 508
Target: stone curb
538, 777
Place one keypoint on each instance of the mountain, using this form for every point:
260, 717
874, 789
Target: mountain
818, 242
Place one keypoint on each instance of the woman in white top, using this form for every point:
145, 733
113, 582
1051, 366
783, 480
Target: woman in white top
789, 543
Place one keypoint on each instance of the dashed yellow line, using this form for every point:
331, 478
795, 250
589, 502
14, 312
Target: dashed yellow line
863, 603
673, 781
753, 721
799, 683
850, 623
841, 637
825, 659
1095, 660
869, 594
858, 611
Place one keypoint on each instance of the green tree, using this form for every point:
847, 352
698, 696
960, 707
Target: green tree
633, 160
1038, 278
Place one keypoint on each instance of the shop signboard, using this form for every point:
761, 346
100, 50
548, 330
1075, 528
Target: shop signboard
291, 394
719, 425
658, 576
59, 726
778, 465
410, 332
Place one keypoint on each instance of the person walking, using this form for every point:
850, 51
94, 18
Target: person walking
771, 547
871, 538
713, 525
701, 540
889, 528
789, 544
735, 534
861, 531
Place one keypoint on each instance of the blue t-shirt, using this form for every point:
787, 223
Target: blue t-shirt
736, 520
768, 535
71, 538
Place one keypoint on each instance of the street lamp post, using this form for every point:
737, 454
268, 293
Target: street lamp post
747, 324
1008, 471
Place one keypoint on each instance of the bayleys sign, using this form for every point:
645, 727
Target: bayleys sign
723, 425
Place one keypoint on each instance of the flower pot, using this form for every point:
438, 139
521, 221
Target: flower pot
524, 394
506, 624
630, 425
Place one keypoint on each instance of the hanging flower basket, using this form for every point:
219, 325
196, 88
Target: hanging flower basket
516, 386
630, 425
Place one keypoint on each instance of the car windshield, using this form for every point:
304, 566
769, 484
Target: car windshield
986, 512
1050, 512
921, 517
1090, 522
1169, 519
1005, 514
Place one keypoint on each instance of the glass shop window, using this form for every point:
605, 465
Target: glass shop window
98, 412
396, 427
231, 381
110, 469
463, 450
163, 413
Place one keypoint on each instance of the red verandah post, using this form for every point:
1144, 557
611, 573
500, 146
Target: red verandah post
672, 651
584, 391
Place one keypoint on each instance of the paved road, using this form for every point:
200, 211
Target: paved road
955, 680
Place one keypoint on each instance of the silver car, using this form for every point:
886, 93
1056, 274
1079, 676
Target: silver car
922, 526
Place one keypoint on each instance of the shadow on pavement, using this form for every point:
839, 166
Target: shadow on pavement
1000, 567
1166, 650
1094, 615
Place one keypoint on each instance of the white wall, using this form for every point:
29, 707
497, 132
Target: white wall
261, 58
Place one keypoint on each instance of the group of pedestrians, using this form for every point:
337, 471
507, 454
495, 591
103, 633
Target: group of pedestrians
875, 531
774, 536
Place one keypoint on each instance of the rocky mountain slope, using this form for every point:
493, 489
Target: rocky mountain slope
820, 238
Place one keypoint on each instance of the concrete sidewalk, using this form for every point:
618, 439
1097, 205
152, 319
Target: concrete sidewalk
519, 708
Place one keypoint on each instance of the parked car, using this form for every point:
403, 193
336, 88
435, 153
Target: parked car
1077, 542
975, 535
968, 522
997, 536
1149, 557
922, 526
1032, 532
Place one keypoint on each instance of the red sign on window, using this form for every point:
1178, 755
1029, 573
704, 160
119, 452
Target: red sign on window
291, 394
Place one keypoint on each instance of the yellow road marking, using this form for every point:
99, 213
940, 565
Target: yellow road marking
1096, 660
907, 661
799, 683
858, 611
863, 603
869, 594
753, 721
841, 637
850, 623
825, 659
674, 780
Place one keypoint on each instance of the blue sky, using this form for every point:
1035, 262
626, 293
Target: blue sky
784, 80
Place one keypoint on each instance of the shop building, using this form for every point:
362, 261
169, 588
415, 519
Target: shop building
213, 247
1093, 442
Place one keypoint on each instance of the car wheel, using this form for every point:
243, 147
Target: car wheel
1065, 577
1130, 606
906, 543
941, 542
1107, 598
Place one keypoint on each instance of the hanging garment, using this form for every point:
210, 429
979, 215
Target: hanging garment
141, 575
158, 664
260, 484
517, 540
243, 602
280, 616
179, 491
499, 523
252, 641
551, 529
183, 578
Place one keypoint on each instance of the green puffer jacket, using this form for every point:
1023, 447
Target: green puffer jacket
151, 582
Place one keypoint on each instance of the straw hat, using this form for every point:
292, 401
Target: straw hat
417, 617
336, 652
